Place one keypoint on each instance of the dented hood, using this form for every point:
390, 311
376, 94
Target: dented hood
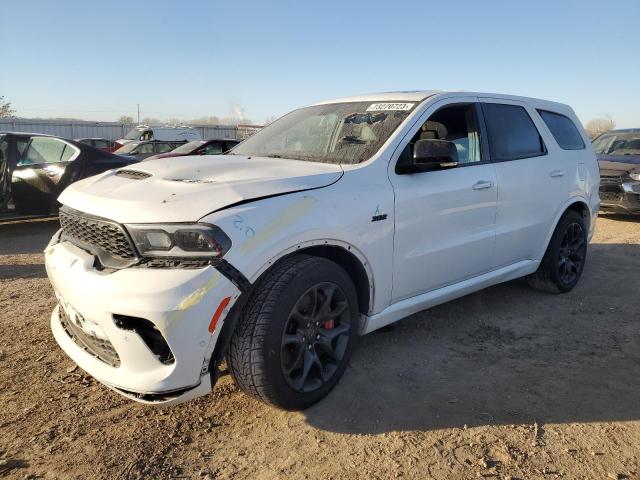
185, 189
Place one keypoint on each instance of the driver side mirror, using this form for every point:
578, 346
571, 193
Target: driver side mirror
434, 155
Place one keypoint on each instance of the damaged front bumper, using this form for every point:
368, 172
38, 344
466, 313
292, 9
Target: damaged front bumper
146, 333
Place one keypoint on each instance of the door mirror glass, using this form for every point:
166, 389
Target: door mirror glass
434, 155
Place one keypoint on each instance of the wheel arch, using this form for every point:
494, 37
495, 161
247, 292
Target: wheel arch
344, 254
577, 204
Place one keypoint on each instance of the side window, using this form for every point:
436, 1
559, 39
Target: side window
101, 143
145, 148
457, 124
43, 150
512, 133
4, 151
163, 147
563, 130
21, 144
147, 135
213, 149
67, 153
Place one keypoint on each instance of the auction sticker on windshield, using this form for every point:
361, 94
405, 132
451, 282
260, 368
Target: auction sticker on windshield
379, 107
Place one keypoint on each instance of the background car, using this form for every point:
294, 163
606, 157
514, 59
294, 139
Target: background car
46, 165
11, 147
141, 150
101, 143
165, 134
199, 147
619, 159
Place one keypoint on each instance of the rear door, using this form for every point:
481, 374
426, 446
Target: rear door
39, 170
532, 179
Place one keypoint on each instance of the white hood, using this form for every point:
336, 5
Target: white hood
185, 189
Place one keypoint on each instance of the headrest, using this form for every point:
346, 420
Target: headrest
433, 130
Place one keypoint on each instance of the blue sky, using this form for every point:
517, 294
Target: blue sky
186, 59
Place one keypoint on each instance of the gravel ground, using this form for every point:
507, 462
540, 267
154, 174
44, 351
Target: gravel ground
507, 383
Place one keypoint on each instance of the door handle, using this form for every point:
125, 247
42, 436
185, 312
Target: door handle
482, 184
556, 173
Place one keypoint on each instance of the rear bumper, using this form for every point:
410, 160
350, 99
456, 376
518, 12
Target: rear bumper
179, 303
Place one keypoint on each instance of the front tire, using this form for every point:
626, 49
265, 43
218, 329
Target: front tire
295, 336
564, 260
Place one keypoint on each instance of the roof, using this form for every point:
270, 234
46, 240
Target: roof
27, 134
420, 95
408, 96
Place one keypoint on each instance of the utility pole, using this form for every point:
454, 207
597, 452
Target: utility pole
138, 114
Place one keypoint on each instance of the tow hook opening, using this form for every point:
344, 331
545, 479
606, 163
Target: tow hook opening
149, 334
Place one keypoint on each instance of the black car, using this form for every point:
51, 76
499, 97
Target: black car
41, 166
200, 147
142, 150
619, 159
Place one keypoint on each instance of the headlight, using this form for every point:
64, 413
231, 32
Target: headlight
180, 240
635, 176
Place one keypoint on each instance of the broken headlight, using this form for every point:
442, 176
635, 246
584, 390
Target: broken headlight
180, 240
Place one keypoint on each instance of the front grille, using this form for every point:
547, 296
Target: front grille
105, 239
132, 174
98, 347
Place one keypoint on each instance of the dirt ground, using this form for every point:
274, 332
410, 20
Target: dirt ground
507, 383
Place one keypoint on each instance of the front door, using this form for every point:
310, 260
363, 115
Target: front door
444, 219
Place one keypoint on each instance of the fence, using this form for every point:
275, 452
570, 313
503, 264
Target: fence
112, 130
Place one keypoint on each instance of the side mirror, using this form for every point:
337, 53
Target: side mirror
434, 155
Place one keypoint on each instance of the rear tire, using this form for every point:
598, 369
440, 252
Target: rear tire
296, 333
564, 260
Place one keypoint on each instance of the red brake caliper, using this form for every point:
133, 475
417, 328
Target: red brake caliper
328, 324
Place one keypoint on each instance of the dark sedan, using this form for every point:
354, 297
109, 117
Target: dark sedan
143, 149
619, 158
200, 147
41, 166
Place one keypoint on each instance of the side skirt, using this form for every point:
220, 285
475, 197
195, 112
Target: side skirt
412, 305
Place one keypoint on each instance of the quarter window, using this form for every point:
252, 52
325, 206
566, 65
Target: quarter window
563, 130
512, 133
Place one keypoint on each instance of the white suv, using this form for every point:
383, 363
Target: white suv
335, 220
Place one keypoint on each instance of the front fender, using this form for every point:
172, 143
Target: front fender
264, 231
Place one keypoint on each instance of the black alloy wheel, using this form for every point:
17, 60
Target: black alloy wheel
572, 253
315, 337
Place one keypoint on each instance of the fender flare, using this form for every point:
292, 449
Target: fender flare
561, 211
322, 242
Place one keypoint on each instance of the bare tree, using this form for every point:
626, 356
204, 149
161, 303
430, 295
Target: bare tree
598, 126
270, 119
125, 119
5, 108
151, 121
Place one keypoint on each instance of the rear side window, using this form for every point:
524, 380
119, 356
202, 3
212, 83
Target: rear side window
512, 134
563, 130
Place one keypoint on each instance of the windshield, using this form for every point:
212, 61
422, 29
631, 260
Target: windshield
134, 134
188, 147
347, 133
128, 148
618, 144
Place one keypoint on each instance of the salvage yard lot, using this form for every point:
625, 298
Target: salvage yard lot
505, 383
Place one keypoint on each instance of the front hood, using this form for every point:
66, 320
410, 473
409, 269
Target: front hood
614, 165
185, 189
